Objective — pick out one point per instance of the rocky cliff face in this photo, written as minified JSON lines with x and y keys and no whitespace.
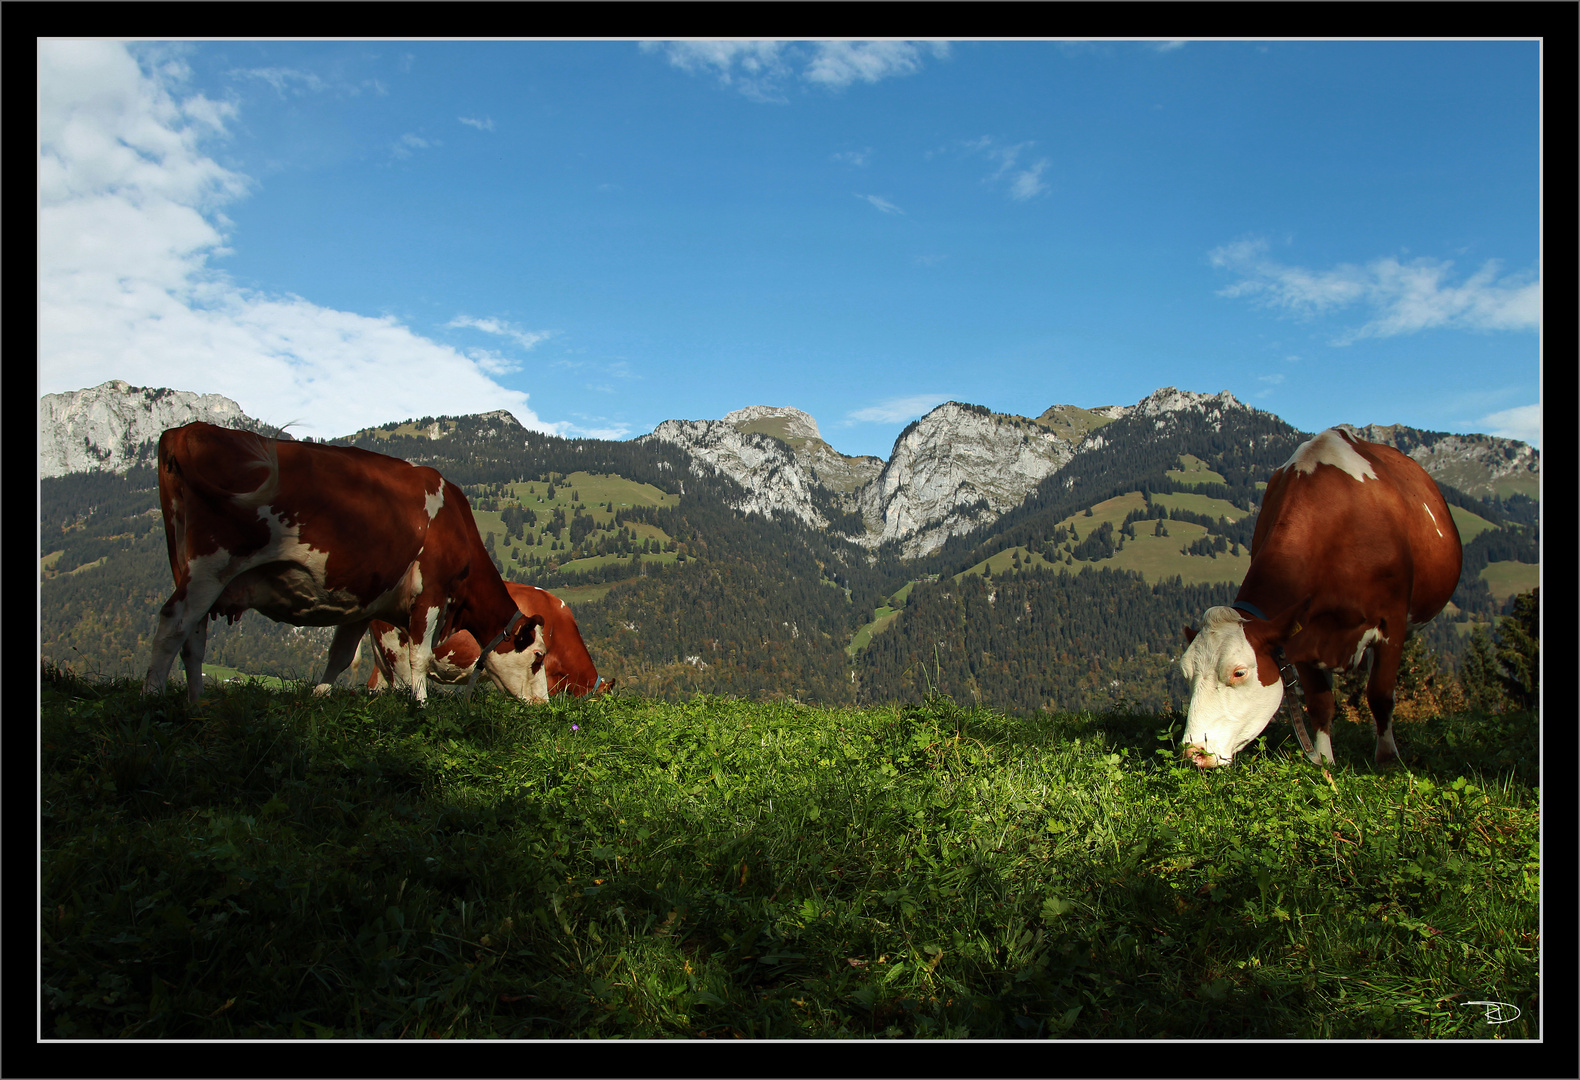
{"x":1479,"y":465}
{"x":956,"y":468}
{"x":776,"y":453}
{"x":114,"y":426}
{"x":762,"y":464}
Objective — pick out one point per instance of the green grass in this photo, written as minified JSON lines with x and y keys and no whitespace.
{"x":1469,"y":525}
{"x":1112,"y":511}
{"x":1507,"y":578}
{"x":1193,"y":470}
{"x":882,"y":618}
{"x":1199,"y":504}
{"x":1158,"y":557}
{"x":596,"y":493}
{"x":212,"y":672}
{"x":275,"y":865}
{"x":1154,"y":557}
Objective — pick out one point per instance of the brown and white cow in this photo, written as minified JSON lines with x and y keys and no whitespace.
{"x":316,"y":535}
{"x":1354,"y":547}
{"x":566,"y":663}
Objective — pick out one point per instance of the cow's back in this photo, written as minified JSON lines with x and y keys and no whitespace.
{"x":367,"y":514}
{"x":1351,"y":514}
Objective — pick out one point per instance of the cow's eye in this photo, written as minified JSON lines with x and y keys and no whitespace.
{"x":1239,"y":674}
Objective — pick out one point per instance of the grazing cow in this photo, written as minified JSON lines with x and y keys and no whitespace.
{"x":316,"y":535}
{"x":566,"y":663}
{"x":1353,"y":547}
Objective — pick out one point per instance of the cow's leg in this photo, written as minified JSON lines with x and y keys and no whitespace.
{"x":1318,"y":687}
{"x":341,"y":650}
{"x":193,"y":646}
{"x":387,"y":651}
{"x":1380,"y":694}
{"x":422,"y":635}
{"x":185,"y":612}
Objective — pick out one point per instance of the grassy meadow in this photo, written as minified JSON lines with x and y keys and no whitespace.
{"x":599,"y":496}
{"x":268,"y":864}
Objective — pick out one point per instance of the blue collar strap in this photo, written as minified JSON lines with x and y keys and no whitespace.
{"x":1250,"y":609}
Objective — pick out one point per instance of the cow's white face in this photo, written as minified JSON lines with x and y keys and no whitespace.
{"x":1229,"y":705}
{"x":520,"y":672}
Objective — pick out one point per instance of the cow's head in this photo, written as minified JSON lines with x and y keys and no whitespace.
{"x":1234,"y":692}
{"x":516,"y":664}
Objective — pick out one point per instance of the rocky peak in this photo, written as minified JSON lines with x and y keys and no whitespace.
{"x":1478,"y":465}
{"x":777,"y":454}
{"x":763,"y":464}
{"x":781,"y":422}
{"x":1169,"y":400}
{"x":115,"y":426}
{"x":956,"y":468}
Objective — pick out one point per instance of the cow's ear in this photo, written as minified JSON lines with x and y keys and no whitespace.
{"x":527,"y":632}
{"x":1190,"y":634}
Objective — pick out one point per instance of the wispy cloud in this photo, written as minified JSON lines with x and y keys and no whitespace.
{"x":1168,"y":46}
{"x":129,"y":222}
{"x":858,"y":158}
{"x":296,"y":82}
{"x":283,"y":79}
{"x":597,"y":427}
{"x":763,"y":69}
{"x":839,"y":63}
{"x":1027,"y":183}
{"x":1523,"y":423}
{"x":895,"y":410}
{"x":1022,"y":181}
{"x":881,"y":203}
{"x":525,"y":338}
{"x":403,"y":146}
{"x":485,"y":124}
{"x":492,"y":362}
{"x":1405,"y":298}
{"x":1271,"y":381}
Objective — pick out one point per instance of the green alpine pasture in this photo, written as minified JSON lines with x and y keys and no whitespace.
{"x":271,"y":864}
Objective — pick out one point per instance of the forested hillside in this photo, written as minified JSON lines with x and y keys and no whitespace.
{"x":1049,"y":607}
{"x":105,"y":574}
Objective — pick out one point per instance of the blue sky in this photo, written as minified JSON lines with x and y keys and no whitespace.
{"x":599,"y":236}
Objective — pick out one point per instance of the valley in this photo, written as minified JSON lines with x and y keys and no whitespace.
{"x":746,"y":557}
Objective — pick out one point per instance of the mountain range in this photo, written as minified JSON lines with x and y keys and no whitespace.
{"x":658,"y":540}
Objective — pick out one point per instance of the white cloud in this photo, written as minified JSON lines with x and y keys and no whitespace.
{"x":881,"y":203}
{"x":1024,"y":182}
{"x":403,"y":146}
{"x":1405,"y":297}
{"x":858,"y":158}
{"x":1027,"y":183}
{"x":755,"y":68}
{"x":896,"y":410}
{"x":297,"y":82}
{"x":485,"y":124}
{"x":1523,"y":423}
{"x":1168,"y":46}
{"x":840,"y":63}
{"x":128,"y":226}
{"x":283,"y":79}
{"x":499,"y":327}
{"x":761,"y":69}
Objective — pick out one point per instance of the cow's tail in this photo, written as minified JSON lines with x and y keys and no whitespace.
{"x":183,"y":453}
{"x":263,"y":452}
